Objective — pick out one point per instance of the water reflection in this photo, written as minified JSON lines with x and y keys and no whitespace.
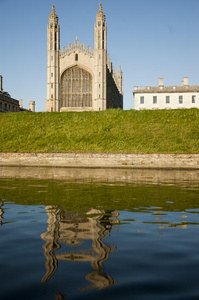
{"x":1,"y":213}
{"x":74,"y":230}
{"x":156,"y":257}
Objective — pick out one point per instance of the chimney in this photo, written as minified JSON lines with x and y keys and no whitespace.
{"x":1,"y":83}
{"x":185,"y":81}
{"x":161,"y":81}
{"x":32,"y":106}
{"x":20,"y":103}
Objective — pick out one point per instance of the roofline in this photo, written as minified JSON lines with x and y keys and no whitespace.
{"x":166,"y":89}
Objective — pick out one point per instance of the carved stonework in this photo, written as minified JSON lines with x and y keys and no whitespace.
{"x":100,"y":14}
{"x":76,"y":88}
{"x":53,"y":14}
{"x":76,"y":46}
{"x":80,"y":79}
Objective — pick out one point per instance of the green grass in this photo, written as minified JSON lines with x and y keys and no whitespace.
{"x":117,"y":131}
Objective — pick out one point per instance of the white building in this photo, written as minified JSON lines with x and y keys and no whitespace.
{"x":78,"y":78}
{"x":166,"y":97}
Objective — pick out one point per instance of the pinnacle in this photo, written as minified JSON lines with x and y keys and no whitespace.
{"x":53,"y":14}
{"x":100,"y":14}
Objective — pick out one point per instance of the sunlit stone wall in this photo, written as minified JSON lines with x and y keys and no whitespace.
{"x":105,"y":160}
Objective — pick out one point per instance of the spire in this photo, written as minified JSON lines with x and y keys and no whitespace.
{"x":53,"y":70}
{"x":53,"y":14}
{"x":120,"y":80}
{"x":119,"y":71}
{"x":76,"y":42}
{"x":100,"y":14}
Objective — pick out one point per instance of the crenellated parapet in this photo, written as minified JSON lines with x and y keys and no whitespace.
{"x":76,"y":46}
{"x":116,"y":78}
{"x":78,"y":78}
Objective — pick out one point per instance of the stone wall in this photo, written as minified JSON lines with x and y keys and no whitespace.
{"x":150,"y":176}
{"x":104,"y":160}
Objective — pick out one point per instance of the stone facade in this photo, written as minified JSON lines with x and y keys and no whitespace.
{"x":166,"y":97}
{"x":79,"y":79}
{"x":8,"y":104}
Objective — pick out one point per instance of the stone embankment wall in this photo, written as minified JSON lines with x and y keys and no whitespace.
{"x":150,"y":176}
{"x":96,"y":160}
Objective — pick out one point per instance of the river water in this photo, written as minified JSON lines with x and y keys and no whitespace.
{"x":99,"y":234}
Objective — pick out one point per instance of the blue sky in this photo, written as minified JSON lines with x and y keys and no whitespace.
{"x":149,"y":38}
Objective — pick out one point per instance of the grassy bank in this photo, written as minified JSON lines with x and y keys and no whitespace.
{"x":158,"y":131}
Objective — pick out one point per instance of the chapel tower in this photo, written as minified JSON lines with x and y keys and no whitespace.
{"x":100,"y":56}
{"x":79,"y":79}
{"x":53,"y":69}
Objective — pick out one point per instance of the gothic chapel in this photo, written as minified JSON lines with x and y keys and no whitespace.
{"x":79,"y":79}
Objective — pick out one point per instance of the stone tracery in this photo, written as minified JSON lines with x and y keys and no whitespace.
{"x":78,"y":78}
{"x":76,"y":88}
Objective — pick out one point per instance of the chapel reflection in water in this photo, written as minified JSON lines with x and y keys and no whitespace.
{"x":70,"y":229}
{"x":1,"y":213}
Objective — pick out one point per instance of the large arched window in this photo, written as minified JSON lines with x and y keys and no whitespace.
{"x":76,"y":88}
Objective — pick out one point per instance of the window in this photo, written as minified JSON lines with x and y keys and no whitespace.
{"x":51,"y":85}
{"x":51,"y":74}
{"x":55,"y":41}
{"x":51,"y":96}
{"x":76,"y":88}
{"x":180,"y":99}
{"x":142,"y":100}
{"x":76,"y":56}
{"x":194,"y":99}
{"x":1,"y":105}
{"x":51,"y":41}
{"x":99,"y":86}
{"x":154,"y":99}
{"x":167,"y":99}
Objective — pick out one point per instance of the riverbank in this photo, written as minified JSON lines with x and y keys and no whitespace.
{"x":101,"y":160}
{"x":110,"y":131}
